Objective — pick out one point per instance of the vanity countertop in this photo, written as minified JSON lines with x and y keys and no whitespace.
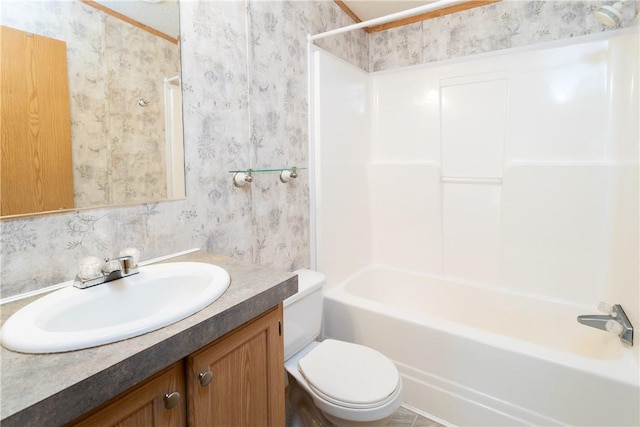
{"x":53,"y":389}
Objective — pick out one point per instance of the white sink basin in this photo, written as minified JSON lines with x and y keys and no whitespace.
{"x":73,"y":319}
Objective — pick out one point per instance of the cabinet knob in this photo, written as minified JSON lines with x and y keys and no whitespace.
{"x":205,"y":378}
{"x":171,"y":399}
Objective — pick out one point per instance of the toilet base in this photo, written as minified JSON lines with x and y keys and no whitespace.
{"x":302,"y":411}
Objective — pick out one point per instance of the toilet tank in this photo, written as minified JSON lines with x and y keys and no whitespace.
{"x":303,"y":312}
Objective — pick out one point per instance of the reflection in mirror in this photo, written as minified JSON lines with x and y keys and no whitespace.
{"x":83,"y":81}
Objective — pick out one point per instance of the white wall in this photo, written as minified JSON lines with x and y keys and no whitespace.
{"x":517,"y":170}
{"x":404,"y":171}
{"x":340,"y":135}
{"x":623,"y":256}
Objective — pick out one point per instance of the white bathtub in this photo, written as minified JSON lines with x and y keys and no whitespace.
{"x":477,"y":356}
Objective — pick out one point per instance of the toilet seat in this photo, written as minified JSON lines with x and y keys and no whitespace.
{"x":350,"y":375}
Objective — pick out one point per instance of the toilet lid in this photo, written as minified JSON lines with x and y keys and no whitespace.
{"x":349,"y":374}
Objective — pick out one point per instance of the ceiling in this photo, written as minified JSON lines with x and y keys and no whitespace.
{"x":364,"y":10}
{"x":161,"y":15}
{"x":369,"y":9}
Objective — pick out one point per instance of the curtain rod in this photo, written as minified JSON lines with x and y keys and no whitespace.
{"x":388,"y":18}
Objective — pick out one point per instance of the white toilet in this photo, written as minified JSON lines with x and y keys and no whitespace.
{"x":352,"y":385}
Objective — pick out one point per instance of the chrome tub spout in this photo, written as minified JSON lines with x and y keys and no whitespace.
{"x":598,"y":321}
{"x":615,"y":321}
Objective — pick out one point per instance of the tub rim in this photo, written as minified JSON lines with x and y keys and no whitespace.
{"x":624,"y":370}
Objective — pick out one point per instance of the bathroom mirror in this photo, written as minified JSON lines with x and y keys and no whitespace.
{"x":123,"y":134}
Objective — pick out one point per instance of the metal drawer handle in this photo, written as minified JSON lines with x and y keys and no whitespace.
{"x":205,"y":378}
{"x":171,"y":399}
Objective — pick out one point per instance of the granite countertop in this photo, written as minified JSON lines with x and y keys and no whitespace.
{"x":53,"y":389}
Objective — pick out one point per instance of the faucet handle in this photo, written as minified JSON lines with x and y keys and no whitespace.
{"x":90,"y":268}
{"x":605,"y":308}
{"x":133,"y":253}
{"x":614,"y":327}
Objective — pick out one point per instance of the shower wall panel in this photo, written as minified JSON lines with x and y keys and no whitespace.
{"x":405,"y":171}
{"x":406,"y":108}
{"x":558,"y":104}
{"x":471,"y":232}
{"x":340,"y":151}
{"x":515,"y":170}
{"x":473,"y":115}
{"x":556,"y":125}
{"x":406,"y":215}
{"x":556,"y":230}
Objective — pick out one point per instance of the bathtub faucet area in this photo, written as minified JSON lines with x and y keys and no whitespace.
{"x":615,"y":321}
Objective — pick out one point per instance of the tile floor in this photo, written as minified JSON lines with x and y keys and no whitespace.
{"x":406,"y":418}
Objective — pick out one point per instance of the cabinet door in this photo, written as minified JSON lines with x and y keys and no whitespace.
{"x":35,"y":166}
{"x":239,"y":379}
{"x":147,"y":404}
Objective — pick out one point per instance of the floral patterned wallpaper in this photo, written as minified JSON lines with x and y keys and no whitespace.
{"x":245,"y":105}
{"x":136,"y":64}
{"x":509,"y":23}
{"x":118,"y":146}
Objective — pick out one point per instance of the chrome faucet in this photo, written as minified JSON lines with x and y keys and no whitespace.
{"x":94,"y":272}
{"x":615,"y":321}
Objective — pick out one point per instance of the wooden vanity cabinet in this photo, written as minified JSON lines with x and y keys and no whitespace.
{"x":151,"y":403}
{"x":238,"y":380}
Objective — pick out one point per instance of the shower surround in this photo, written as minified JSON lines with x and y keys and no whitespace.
{"x":467,"y":210}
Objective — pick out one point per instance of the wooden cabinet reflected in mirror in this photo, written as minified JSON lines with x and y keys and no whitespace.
{"x":123,"y":102}
{"x":37,"y":174}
